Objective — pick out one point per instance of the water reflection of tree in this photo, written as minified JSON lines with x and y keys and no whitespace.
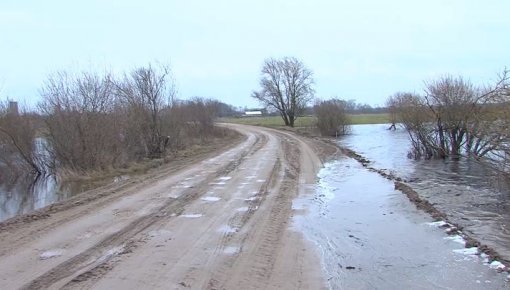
{"x":19,"y":150}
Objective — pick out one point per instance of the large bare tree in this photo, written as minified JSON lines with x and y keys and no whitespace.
{"x":287,"y":86}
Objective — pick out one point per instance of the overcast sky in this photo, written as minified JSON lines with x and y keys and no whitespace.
{"x":363,"y":50}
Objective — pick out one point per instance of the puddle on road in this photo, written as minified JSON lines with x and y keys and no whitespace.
{"x":371,"y":237}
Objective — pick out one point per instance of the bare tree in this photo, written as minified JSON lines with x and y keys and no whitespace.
{"x":286,"y":85}
{"x":18,"y":134}
{"x":81,"y":129}
{"x":456,"y":118}
{"x":146,"y":92}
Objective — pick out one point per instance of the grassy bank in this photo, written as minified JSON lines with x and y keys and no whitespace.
{"x":306,"y":121}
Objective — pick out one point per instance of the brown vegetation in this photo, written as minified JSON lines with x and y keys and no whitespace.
{"x":455,"y":118}
{"x":19,"y":150}
{"x":332,"y":119}
{"x":90,"y":122}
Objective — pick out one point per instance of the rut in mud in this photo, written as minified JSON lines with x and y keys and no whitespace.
{"x":220,"y":223}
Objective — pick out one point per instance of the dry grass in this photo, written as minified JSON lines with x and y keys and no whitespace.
{"x":306,"y":121}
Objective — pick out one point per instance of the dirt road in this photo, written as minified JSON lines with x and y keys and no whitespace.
{"x":221,"y":223}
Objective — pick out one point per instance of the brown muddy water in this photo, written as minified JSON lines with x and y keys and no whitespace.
{"x":371,"y":237}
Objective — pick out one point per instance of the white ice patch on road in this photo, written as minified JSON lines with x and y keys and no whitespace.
{"x":225,"y":178}
{"x":251,"y":198}
{"x":231,"y":250}
{"x":457,"y":239}
{"x":227,"y":229}
{"x":111,"y":252}
{"x":210,"y":198}
{"x":437,"y":224}
{"x":242,"y":209}
{"x":467,"y":251}
{"x":261,"y":180}
{"x":497,"y":265}
{"x":51,"y":254}
{"x":120,"y":178}
{"x":192,"y":215}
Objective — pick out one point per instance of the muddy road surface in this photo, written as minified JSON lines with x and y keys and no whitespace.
{"x":221,"y":223}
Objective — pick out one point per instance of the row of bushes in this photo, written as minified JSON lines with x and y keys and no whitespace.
{"x":93,"y":121}
{"x":455,"y":118}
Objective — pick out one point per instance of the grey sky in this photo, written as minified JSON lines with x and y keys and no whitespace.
{"x":363,"y":50}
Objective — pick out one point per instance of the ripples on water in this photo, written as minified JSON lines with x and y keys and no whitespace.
{"x":471,"y":194}
{"x":371,"y":237}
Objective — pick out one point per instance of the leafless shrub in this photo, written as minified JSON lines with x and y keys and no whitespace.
{"x":81,"y":128}
{"x":332,"y":119}
{"x":20,"y":150}
{"x":191,"y":121}
{"x":145,"y":94}
{"x":455,"y":118}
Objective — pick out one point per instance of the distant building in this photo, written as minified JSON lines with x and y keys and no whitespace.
{"x":254,"y":112}
{"x":13,"y":108}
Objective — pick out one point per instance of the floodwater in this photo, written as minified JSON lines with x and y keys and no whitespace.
{"x":472,"y":195}
{"x":27,"y":194}
{"x":371,"y":237}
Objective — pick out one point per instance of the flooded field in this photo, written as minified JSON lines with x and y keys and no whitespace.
{"x":472,"y":195}
{"x":370,"y":236}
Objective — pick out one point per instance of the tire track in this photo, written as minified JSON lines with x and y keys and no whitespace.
{"x":95,"y":256}
{"x":264,"y":240}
